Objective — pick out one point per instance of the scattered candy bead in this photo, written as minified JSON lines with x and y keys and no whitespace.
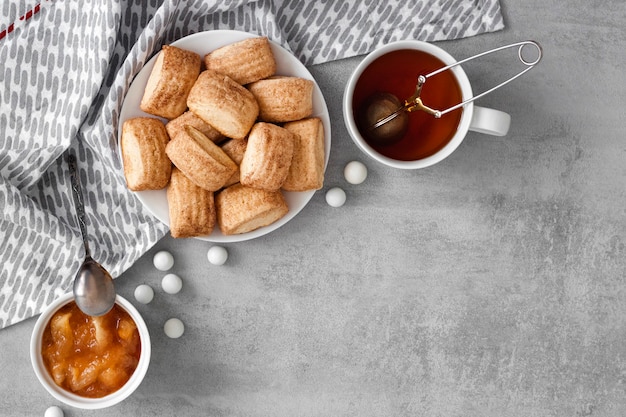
{"x":335,"y":197}
{"x":163,"y":261}
{"x":54,"y":411}
{"x":171,"y":283}
{"x":144,"y":293}
{"x":217,"y":255}
{"x":174,"y":328}
{"x":355,"y":172}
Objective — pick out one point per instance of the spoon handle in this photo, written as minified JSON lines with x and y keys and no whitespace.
{"x":79,"y":206}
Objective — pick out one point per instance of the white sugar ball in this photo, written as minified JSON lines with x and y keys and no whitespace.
{"x":335,"y":197}
{"x":171,"y":283}
{"x":355,"y":172}
{"x":174,"y":328}
{"x":163,"y":261}
{"x":217,"y":255}
{"x":144,"y":293}
{"x":53,"y":411}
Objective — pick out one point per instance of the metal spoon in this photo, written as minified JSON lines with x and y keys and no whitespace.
{"x":94,"y":291}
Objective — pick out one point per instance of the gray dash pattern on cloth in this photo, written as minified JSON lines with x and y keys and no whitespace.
{"x":64,"y":73}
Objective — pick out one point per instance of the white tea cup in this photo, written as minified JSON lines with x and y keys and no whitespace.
{"x":473,"y":117}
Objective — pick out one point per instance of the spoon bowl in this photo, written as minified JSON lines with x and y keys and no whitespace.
{"x":94,"y":291}
{"x":93,"y":288}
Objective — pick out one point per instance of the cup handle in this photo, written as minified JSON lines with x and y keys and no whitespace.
{"x":490,"y":121}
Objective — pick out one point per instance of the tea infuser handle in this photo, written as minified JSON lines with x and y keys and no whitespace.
{"x":528,"y":63}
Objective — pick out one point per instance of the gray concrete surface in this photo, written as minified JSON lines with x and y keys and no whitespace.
{"x":491,"y":285}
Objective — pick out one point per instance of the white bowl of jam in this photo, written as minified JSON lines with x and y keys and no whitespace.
{"x":90,"y":362}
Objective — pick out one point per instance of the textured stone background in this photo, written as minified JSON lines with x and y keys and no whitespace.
{"x":490,"y":285}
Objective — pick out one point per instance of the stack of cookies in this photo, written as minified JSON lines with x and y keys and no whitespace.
{"x":229,"y":137}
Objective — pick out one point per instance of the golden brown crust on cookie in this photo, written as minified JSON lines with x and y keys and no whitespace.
{"x":242,"y":209}
{"x":245,"y":61}
{"x":177,"y":125}
{"x":283,"y":99}
{"x":224,"y":104}
{"x":146,"y":165}
{"x":307,"y":166}
{"x":175,"y":71}
{"x":235,"y":149}
{"x":191,"y":208}
{"x":267,"y":159}
{"x":201,"y":160}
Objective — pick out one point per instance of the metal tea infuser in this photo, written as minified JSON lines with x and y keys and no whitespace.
{"x":383,"y":131}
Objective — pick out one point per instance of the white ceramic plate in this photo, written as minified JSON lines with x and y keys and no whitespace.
{"x":202,"y":43}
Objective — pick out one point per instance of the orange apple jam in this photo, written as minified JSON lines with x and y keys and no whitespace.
{"x":91,"y":356}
